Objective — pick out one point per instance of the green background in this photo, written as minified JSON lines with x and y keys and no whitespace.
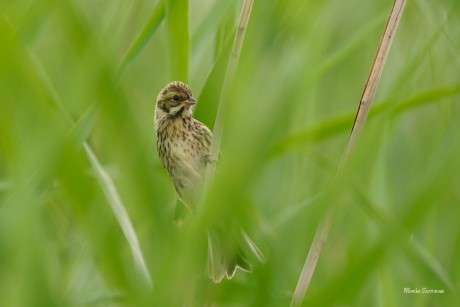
{"x":89,"y":71}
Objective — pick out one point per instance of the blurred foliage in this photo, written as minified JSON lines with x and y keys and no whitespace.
{"x":79,"y":71}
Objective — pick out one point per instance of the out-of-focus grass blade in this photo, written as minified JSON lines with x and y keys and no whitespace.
{"x":431,"y":96}
{"x":213,"y":87}
{"x":351,"y":45}
{"x":214,"y":81}
{"x":293,"y":211}
{"x":141,"y":40}
{"x":119,"y":210}
{"x":403,"y":238}
{"x":356,"y":274}
{"x":323,"y":130}
{"x":105,"y":180}
{"x":338,"y":125}
{"x":209,"y":24}
{"x":204,"y":50}
{"x":177,"y":17}
{"x":427,"y":260}
{"x":387,"y":296}
{"x":84,"y":125}
{"x":225,"y":32}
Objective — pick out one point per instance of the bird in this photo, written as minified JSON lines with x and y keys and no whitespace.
{"x":183,"y":145}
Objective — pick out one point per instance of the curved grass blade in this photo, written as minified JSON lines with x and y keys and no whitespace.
{"x":141,"y":40}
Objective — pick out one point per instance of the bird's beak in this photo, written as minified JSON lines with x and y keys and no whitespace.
{"x":191,"y":101}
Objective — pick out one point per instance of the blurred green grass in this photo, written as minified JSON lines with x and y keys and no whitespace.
{"x":89,"y":71}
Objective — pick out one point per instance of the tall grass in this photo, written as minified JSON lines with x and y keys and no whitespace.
{"x":288,"y":112}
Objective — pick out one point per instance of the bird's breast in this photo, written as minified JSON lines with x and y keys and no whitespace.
{"x":180,"y":143}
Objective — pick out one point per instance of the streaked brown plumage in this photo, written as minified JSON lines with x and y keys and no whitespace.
{"x":183,"y":147}
{"x":182,"y":141}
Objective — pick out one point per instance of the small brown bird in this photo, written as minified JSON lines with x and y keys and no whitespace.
{"x":183,"y":145}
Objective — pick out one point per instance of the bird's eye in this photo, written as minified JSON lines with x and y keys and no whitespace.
{"x":176,"y":98}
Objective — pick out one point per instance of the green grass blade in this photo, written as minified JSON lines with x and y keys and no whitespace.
{"x":177,"y":17}
{"x":339,"y":125}
{"x":228,"y":79}
{"x":119,"y":211}
{"x":144,"y":36}
{"x":106,"y":183}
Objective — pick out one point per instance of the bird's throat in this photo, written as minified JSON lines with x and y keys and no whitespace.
{"x":182,"y":112}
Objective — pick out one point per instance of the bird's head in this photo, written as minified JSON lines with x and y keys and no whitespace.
{"x":175,"y":99}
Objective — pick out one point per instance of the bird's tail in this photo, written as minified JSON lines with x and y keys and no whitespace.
{"x":229,"y":251}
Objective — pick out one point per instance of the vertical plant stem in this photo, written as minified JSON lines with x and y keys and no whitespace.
{"x":361,"y":115}
{"x":312,"y":259}
{"x":228,"y":79}
{"x":374,"y":76}
{"x":177,"y":18}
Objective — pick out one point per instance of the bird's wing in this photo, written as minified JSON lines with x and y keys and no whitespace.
{"x":188,"y":183}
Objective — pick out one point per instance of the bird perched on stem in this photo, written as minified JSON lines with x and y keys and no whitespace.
{"x":183,"y":145}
